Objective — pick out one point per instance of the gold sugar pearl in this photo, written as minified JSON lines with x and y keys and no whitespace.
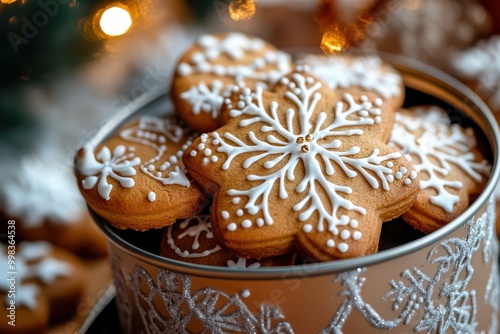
{"x":305,"y":148}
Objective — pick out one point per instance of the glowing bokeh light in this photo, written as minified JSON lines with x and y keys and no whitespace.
{"x":333,"y":41}
{"x":115,"y":21}
{"x":7,"y":1}
{"x":241,"y":10}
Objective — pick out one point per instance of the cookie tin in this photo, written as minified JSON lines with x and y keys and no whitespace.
{"x":444,"y":282}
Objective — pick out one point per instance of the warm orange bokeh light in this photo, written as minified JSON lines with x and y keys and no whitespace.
{"x":115,"y":21}
{"x":242,"y":10}
{"x":7,"y":1}
{"x":333,"y":41}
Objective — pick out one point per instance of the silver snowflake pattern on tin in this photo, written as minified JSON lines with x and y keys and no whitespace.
{"x":216,"y":311}
{"x":444,"y":297}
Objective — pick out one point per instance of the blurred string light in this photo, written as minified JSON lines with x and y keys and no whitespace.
{"x":7,"y":1}
{"x":115,"y":21}
{"x":337,"y":35}
{"x":111,"y":20}
{"x":241,"y":10}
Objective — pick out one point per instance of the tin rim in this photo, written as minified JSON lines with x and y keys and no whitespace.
{"x":416,"y":75}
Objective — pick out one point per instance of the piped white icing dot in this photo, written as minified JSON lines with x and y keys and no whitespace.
{"x":214,"y":158}
{"x":260,"y":222}
{"x":225,"y":214}
{"x":246,"y":223}
{"x":207,"y":152}
{"x":345,"y":234}
{"x":404,"y":170}
{"x":239,"y":212}
{"x":413,"y":175}
{"x":390,"y":164}
{"x":399,"y":175}
{"x":201,"y":146}
{"x":354,"y":223}
{"x":356,"y":235}
{"x":390,"y":178}
{"x":192,"y":153}
{"x":151,"y":168}
{"x":343,"y":247}
{"x":245,"y":293}
{"x":307,"y":228}
{"x":184,"y":69}
{"x":236,"y":200}
{"x":151,"y":196}
{"x":232,"y":227}
{"x":330,"y":243}
{"x":407,"y":181}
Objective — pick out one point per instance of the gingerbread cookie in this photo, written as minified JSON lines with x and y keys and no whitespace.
{"x":136,"y":179}
{"x":46,"y":205}
{"x":478,"y":68}
{"x":206,"y":72}
{"x":451,"y":167}
{"x":357,"y":72}
{"x":302,"y":166}
{"x":192,"y":241}
{"x":41,"y":285}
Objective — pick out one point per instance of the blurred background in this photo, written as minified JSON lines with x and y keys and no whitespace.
{"x":68,"y":66}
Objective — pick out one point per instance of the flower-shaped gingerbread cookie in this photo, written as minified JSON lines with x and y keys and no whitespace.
{"x":302,"y":166}
{"x":352,"y":72}
{"x":206,"y":72}
{"x":136,"y":179}
{"x":450,"y":165}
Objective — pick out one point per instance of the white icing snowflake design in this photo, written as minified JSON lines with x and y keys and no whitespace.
{"x":154,"y":132}
{"x":33,"y":260}
{"x":440,"y":147}
{"x":205,"y":99}
{"x":367,"y":72}
{"x":53,"y":197}
{"x":195,"y":227}
{"x":302,"y":137}
{"x":201,"y":224}
{"x":482,"y":63}
{"x":119,"y":165}
{"x":208,"y":98}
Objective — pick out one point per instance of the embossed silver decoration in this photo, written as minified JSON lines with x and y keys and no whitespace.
{"x":446,"y":302}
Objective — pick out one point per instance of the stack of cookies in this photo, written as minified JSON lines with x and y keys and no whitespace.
{"x":268,"y":159}
{"x":49,"y":240}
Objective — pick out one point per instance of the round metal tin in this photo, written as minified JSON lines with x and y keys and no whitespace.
{"x":444,"y":282}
